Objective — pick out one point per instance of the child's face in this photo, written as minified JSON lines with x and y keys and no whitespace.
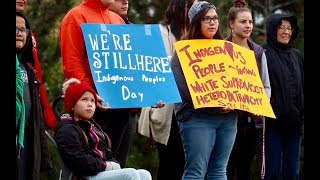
{"x":85,"y":106}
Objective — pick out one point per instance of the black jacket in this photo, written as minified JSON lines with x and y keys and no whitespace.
{"x":85,"y":155}
{"x":286,"y":73}
{"x":34,"y":126}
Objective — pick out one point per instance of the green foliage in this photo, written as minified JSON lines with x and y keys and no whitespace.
{"x":143,"y":156}
{"x":45,"y":17}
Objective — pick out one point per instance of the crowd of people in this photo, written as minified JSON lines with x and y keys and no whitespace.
{"x":214,"y":143}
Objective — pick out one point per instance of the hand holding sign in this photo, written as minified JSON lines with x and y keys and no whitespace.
{"x":126,"y":71}
{"x":220,"y":73}
{"x":100,"y":106}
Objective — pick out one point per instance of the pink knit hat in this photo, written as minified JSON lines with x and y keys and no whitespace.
{"x":74,"y":92}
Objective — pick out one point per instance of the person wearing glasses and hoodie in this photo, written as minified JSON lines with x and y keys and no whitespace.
{"x":32,"y":53}
{"x":286,"y":72}
{"x":33,"y":157}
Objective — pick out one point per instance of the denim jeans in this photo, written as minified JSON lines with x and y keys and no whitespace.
{"x":207,"y":139}
{"x":122,"y":174}
{"x":244,"y":149}
{"x":282,"y":156}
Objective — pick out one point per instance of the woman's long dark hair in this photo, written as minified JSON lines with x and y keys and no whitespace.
{"x":176,"y":16}
{"x":194,"y":31}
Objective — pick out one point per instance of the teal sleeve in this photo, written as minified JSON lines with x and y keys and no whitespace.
{"x":20,"y":107}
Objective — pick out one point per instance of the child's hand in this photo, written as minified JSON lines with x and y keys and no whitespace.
{"x":112,"y":166}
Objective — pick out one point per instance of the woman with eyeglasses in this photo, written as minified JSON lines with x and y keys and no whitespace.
{"x":207,"y":134}
{"x":249,"y":125}
{"x":33,"y":56}
{"x":164,"y":126}
{"x":286,"y":72}
{"x":33,"y":153}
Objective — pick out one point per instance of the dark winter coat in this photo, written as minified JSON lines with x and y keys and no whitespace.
{"x":30,"y":55}
{"x":85,"y":155}
{"x":286,"y":72}
{"x":34,"y":126}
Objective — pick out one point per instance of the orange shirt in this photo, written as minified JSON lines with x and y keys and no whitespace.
{"x":73,"y":51}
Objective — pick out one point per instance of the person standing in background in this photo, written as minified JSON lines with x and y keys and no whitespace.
{"x":162,"y":122}
{"x":286,"y":72}
{"x":121,"y":8}
{"x":34,"y":157}
{"x":207,"y":134}
{"x":249,"y":125}
{"x":76,"y":65}
{"x":49,"y":117}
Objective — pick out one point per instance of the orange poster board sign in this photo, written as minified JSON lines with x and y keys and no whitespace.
{"x":220,"y":73}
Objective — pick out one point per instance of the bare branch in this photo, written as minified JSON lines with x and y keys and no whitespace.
{"x":257,"y":4}
{"x":280,"y":6}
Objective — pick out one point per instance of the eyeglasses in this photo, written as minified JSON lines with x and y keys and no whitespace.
{"x":284,"y":28}
{"x":23,"y":31}
{"x":208,"y":19}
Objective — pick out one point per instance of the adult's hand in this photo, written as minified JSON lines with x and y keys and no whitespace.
{"x":226,"y":109}
{"x":99,"y":104}
{"x":159,"y":104}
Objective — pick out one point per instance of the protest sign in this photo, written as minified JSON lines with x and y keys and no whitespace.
{"x":129,"y":65}
{"x":220,"y":73}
